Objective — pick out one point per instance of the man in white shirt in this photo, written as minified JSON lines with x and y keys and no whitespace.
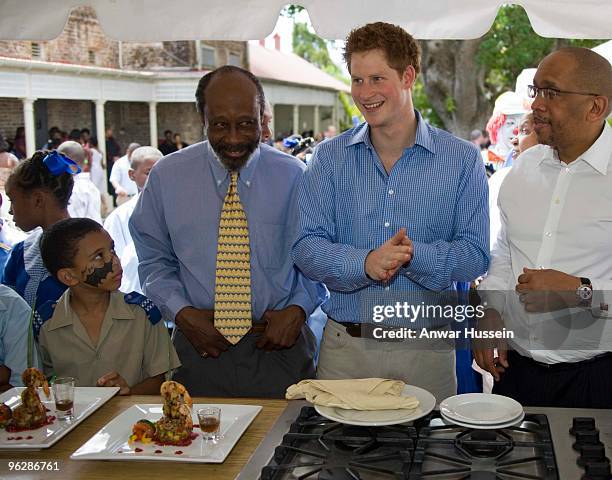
{"x":124,"y":186}
{"x":551,"y":271}
{"x":85,"y":199}
{"x":116,"y":224}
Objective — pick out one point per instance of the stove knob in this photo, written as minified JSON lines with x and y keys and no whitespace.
{"x":582,"y":424}
{"x":591,"y":453}
{"x":597,"y":471}
{"x":586,"y":438}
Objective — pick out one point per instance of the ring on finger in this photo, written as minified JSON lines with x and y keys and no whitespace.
{"x":204,"y":354}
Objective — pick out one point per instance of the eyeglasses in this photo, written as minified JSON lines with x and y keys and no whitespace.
{"x":548,"y":93}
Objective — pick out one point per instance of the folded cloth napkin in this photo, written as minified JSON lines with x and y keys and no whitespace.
{"x":356,"y":394}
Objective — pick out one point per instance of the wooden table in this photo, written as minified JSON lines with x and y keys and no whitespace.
{"x":132,"y":470}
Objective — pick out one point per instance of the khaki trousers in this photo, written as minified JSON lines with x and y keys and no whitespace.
{"x":429,"y":364}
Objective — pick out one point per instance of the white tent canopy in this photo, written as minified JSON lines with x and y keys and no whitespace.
{"x":158,"y":20}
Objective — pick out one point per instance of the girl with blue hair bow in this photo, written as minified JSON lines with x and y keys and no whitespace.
{"x":39,"y":188}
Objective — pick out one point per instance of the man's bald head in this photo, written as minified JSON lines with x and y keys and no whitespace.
{"x":74,"y":151}
{"x":205,"y":81}
{"x":590,"y":72}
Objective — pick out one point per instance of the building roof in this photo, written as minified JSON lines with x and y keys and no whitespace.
{"x":274,"y":65}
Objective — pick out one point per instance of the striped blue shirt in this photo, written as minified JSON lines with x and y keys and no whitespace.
{"x":349,"y":206}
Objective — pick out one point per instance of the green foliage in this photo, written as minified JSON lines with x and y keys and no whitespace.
{"x":421,"y":103}
{"x":313,"y":48}
{"x":351,"y":110}
{"x":511,"y":45}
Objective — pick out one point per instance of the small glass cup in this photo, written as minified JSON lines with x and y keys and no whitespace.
{"x":210,"y":422}
{"x":63,"y":392}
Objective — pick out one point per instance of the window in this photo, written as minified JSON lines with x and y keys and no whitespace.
{"x":207,"y":59}
{"x":235,"y":60}
{"x":92,"y":56}
{"x":36,"y":50}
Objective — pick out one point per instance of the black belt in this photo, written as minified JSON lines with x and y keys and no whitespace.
{"x":562,"y":365}
{"x":361,"y":330}
{"x":365,"y":330}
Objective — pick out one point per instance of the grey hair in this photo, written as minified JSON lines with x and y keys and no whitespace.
{"x":144,"y":153}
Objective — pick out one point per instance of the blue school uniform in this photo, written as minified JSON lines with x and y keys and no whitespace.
{"x":26,"y":274}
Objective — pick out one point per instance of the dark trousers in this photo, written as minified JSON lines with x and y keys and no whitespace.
{"x":245,"y":370}
{"x":586,"y":384}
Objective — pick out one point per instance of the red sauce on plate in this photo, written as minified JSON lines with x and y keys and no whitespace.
{"x":14,"y":429}
{"x":158,"y":451}
{"x":182,"y":443}
{"x":138,"y":450}
{"x":178,"y":452}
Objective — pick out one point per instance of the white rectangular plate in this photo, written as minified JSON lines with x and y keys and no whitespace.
{"x":111,"y":443}
{"x":86,"y":401}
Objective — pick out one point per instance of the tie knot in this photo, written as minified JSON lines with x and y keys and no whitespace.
{"x":234,"y":178}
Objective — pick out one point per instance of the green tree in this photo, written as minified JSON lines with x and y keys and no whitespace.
{"x":315,"y":50}
{"x":462,"y":78}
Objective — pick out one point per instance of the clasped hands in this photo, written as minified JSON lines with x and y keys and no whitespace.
{"x":283,"y":327}
{"x":384,"y":262}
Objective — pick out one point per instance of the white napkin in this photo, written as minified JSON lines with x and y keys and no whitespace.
{"x":355,"y":394}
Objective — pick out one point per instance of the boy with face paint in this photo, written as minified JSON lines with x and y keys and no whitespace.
{"x":119,"y":340}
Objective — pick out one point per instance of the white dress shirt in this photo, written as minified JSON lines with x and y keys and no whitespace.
{"x":558,"y":216}
{"x":119,"y":174}
{"x":495,"y":183}
{"x":116,"y":224}
{"x":85,"y":199}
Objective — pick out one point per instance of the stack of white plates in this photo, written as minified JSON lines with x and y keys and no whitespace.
{"x":482,"y":410}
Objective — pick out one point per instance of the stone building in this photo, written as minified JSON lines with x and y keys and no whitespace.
{"x":83,"y":79}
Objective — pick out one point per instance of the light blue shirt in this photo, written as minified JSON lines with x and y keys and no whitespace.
{"x":14,"y":321}
{"x":349,"y":206}
{"x":175,"y":228}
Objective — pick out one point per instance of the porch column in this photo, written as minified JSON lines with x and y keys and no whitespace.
{"x":101,"y":131}
{"x":272,"y":129}
{"x":317,"y":126}
{"x":296,"y":119}
{"x":153,"y":123}
{"x":29,"y":126}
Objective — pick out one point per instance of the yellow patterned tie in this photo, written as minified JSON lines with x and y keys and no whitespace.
{"x":233,"y":271}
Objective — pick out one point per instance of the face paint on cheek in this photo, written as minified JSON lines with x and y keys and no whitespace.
{"x":97,"y":276}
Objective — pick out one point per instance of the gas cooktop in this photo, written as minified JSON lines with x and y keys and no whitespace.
{"x":316,"y":448}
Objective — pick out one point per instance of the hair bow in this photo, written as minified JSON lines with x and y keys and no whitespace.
{"x":58,"y":163}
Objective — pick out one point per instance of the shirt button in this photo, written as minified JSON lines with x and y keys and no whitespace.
{"x":548,"y":234}
{"x":387,"y":224}
{"x":248,"y":182}
{"x":218,"y":182}
{"x":567,"y":169}
{"x":386,"y":288}
{"x":390,"y":191}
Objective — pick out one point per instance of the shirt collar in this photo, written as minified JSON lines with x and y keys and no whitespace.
{"x":597,"y":156}
{"x":64,"y":315}
{"x":221,"y":173}
{"x":423,"y":137}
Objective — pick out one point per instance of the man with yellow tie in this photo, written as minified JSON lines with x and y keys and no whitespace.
{"x":213,"y":229}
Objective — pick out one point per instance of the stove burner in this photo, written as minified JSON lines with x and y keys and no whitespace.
{"x":319,"y":449}
{"x":484,"y":443}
